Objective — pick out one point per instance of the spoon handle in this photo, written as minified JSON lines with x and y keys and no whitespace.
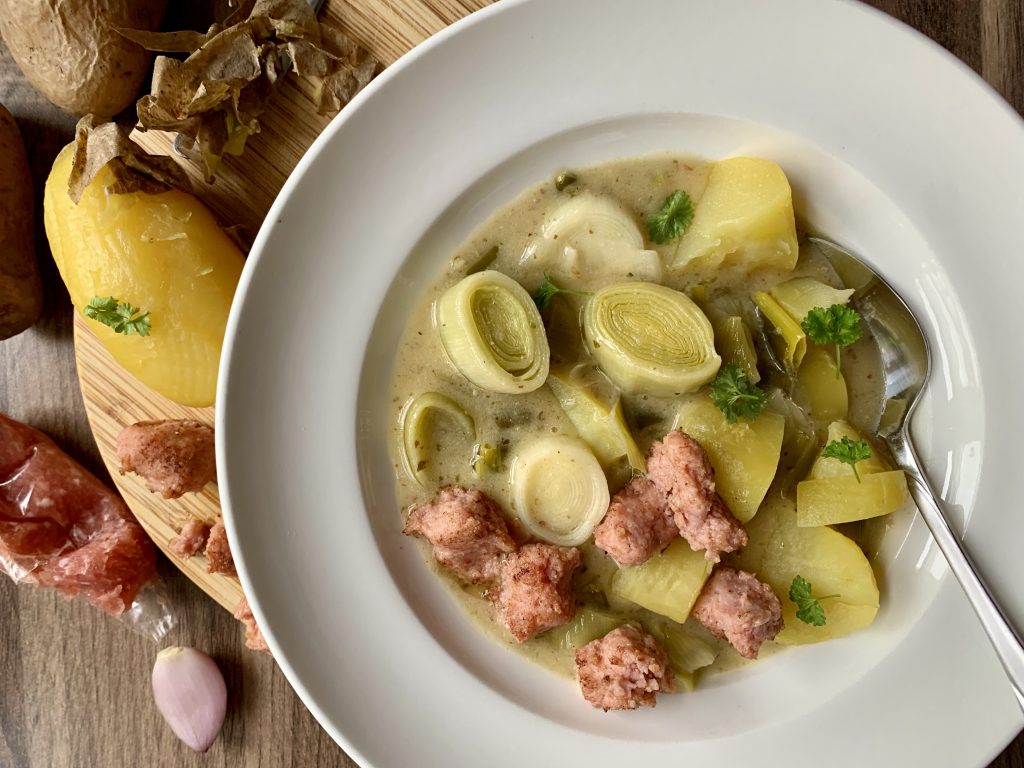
{"x":1004,"y":639}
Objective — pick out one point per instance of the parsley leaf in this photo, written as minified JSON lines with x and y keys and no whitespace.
{"x":672,"y":219}
{"x":837,"y":325}
{"x":849,"y":452}
{"x":808,"y":607}
{"x":735,"y":395}
{"x":121,"y":316}
{"x":548,"y":290}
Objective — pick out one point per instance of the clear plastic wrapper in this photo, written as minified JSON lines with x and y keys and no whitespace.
{"x":61,"y":527}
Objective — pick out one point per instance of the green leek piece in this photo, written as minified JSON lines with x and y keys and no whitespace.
{"x":745,"y":218}
{"x":493,"y":333}
{"x":559,"y":491}
{"x":835,"y":500}
{"x":485,"y":457}
{"x":736,"y":345}
{"x":793,"y":337}
{"x":588,"y":624}
{"x":779,"y":551}
{"x":745,"y":454}
{"x":687,"y":652}
{"x":416,"y":425}
{"x":823,"y":385}
{"x":600,"y":423}
{"x":668,"y":584}
{"x":650,"y":339}
{"x":802,"y":294}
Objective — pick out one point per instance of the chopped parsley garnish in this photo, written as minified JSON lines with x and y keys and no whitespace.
{"x":672,"y":219}
{"x":119,"y":315}
{"x":837,"y":325}
{"x":849,"y":452}
{"x":735,"y":395}
{"x":808,"y":607}
{"x":548,"y":290}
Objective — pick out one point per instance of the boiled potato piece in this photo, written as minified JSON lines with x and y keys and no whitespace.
{"x":828,"y":467}
{"x":779,"y":551}
{"x":71,"y":52}
{"x":163,"y":253}
{"x":745,"y":455}
{"x":668,"y":583}
{"x":21,"y":295}
{"x":835,"y":500}
{"x":823,"y":386}
{"x":745,"y":217}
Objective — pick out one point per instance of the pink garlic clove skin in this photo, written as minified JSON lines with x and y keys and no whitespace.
{"x":191,"y":695}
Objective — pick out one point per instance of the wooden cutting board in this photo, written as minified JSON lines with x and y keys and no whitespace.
{"x":241,"y":195}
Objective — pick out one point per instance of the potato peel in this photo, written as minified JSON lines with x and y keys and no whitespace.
{"x":99,"y":144}
{"x":217,"y":94}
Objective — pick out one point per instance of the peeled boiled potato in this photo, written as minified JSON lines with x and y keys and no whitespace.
{"x":779,"y":551}
{"x":163,"y":253}
{"x":668,"y":583}
{"x":745,"y":217}
{"x":745,"y":454}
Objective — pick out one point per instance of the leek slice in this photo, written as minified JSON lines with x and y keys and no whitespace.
{"x":559,"y":490}
{"x":736,"y":345}
{"x":793,"y":337}
{"x":493,"y":333}
{"x":802,"y":294}
{"x":687,"y":652}
{"x":589,"y":241}
{"x":588,"y":624}
{"x":597,"y":418}
{"x":415,"y":424}
{"x":650,"y":339}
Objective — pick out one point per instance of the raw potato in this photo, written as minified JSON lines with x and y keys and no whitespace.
{"x":163,"y":253}
{"x":71,"y":53}
{"x":779,"y":551}
{"x":745,"y":217}
{"x":745,"y":454}
{"x":21,"y":296}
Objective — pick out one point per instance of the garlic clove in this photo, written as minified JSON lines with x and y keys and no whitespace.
{"x":190,"y":693}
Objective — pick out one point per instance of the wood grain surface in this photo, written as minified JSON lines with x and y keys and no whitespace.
{"x":74,"y":684}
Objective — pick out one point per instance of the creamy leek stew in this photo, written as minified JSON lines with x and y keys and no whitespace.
{"x":596,"y":313}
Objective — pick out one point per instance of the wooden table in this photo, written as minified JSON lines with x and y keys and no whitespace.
{"x":74,"y":684}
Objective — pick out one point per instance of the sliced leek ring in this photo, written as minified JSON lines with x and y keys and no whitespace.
{"x":493,"y":334}
{"x":802,"y":294}
{"x":650,"y":339}
{"x":415,"y":423}
{"x":589,"y":241}
{"x":559,"y":491}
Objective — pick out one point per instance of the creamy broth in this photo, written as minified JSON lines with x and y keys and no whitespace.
{"x":509,"y":421}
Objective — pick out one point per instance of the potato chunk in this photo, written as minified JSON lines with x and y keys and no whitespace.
{"x":779,"y":551}
{"x":834,"y":500}
{"x":745,"y":217}
{"x":668,"y":583}
{"x":745,"y":455}
{"x":163,"y":253}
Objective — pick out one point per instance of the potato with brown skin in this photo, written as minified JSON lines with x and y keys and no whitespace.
{"x":21,"y":295}
{"x":72,"y":54}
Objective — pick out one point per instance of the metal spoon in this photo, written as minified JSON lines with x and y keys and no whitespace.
{"x":906,"y":365}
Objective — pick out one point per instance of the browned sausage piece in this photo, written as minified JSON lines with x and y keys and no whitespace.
{"x":623,"y":670}
{"x":638,"y":524}
{"x":191,"y":540}
{"x":535,"y":589}
{"x":217,"y":551}
{"x":680,"y":469}
{"x":735,"y":606}
{"x":254,"y":639}
{"x":467,"y":529}
{"x":174,"y":457}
